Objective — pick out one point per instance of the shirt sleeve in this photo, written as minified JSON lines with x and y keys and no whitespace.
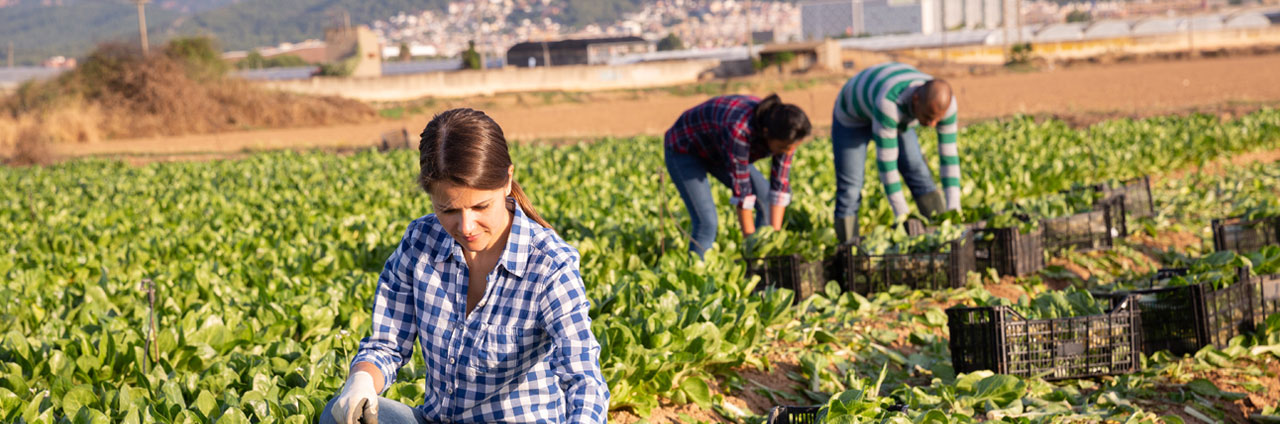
{"x":739,"y":139}
{"x":390,"y":345}
{"x":575,"y":353}
{"x":949,"y":155}
{"x":780,"y":178}
{"x":885,"y":132}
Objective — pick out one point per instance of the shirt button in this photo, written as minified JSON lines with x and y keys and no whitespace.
{"x":451,"y":360}
{"x":449,"y":390}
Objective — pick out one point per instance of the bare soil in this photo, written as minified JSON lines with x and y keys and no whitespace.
{"x":1227,"y":86}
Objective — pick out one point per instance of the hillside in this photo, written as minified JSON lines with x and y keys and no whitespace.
{"x":75,"y":27}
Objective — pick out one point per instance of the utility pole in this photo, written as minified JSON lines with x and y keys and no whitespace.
{"x":142,"y":25}
{"x":943,"y":20}
{"x":1018,"y":16}
{"x":1008,"y":25}
{"x":746,"y":17}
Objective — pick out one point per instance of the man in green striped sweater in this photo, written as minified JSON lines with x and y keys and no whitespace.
{"x":884,"y":103}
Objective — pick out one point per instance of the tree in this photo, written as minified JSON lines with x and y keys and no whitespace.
{"x":252,"y":61}
{"x":670,"y":42}
{"x":471,"y":57}
{"x":405,"y":54}
{"x":202,"y":56}
{"x":1078,"y":16}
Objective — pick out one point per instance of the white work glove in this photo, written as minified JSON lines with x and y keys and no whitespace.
{"x":358,"y":399}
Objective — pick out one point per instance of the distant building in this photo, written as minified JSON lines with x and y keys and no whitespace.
{"x":59,"y":62}
{"x":595,"y":51}
{"x":356,"y":44}
{"x":857,"y":18}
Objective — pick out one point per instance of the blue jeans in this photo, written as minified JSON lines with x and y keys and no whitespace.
{"x":389,"y":412}
{"x":849,"y":145}
{"x":689,"y":173}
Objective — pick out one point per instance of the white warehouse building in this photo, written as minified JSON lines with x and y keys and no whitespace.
{"x":855,"y":18}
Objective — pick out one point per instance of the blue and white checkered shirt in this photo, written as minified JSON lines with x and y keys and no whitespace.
{"x":525,"y":354}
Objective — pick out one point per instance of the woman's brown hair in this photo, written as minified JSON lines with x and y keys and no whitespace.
{"x":467,"y":148}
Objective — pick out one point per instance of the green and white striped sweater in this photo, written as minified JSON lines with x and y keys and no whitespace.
{"x":880,"y":96}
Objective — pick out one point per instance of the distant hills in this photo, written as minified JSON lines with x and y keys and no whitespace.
{"x":39,"y":29}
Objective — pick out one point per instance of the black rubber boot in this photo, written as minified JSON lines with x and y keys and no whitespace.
{"x":847,"y":229}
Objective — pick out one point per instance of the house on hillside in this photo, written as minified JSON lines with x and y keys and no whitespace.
{"x":592,"y":51}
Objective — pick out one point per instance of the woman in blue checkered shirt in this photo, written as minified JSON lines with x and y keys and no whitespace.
{"x":489,"y":291}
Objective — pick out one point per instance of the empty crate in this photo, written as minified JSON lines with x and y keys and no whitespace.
{"x":1242,"y":235}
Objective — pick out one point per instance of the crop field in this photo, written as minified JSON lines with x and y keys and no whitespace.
{"x":237,"y":291}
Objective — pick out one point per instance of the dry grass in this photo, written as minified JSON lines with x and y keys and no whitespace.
{"x":117,"y":93}
{"x":31,"y":147}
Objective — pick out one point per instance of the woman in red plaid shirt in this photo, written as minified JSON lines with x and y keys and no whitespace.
{"x":722,"y":137}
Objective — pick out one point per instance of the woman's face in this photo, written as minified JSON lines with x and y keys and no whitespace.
{"x":476,"y":218}
{"x":782,"y":147}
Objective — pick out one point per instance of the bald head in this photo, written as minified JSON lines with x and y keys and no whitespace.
{"x":931,"y":101}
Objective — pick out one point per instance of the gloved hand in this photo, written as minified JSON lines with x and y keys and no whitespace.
{"x":358,"y":401}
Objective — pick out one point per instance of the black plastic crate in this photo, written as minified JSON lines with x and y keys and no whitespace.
{"x":999,"y":339}
{"x":1169,"y":318}
{"x":1245,"y":235}
{"x":794,"y":415}
{"x":867,"y":273}
{"x":1137,"y":192}
{"x":915,"y":227}
{"x":1268,"y":296}
{"x":1138,"y":202}
{"x":789,"y":271}
{"x":1184,"y":319}
{"x":1227,"y":312}
{"x":1093,"y":230}
{"x":1009,"y":251}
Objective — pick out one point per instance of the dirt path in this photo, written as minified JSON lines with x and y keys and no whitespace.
{"x":1079,"y":94}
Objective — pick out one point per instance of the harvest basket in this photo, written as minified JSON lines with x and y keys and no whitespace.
{"x":789,"y":271}
{"x":1242,"y":235}
{"x":999,"y":339}
{"x":1009,"y":251}
{"x":873,"y":273}
{"x":1184,"y":319}
{"x":1094,"y":230}
{"x":793,"y":415}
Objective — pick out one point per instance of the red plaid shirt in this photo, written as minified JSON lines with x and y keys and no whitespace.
{"x":719,"y":132}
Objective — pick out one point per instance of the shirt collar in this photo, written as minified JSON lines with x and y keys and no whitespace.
{"x":515,"y":257}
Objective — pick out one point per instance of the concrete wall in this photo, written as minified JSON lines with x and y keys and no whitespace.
{"x":1200,"y":40}
{"x":492,"y":81}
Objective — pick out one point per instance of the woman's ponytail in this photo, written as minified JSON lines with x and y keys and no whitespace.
{"x":523,"y":200}
{"x":777,"y":120}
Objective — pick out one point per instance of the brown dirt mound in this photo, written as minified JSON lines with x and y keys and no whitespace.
{"x":119,"y":93}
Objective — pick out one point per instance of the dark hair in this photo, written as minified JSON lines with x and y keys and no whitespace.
{"x":465,"y":147}
{"x":774,"y":119}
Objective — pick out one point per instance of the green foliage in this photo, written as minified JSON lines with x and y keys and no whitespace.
{"x":405,"y":53}
{"x":341,"y":68}
{"x":1052,"y":304}
{"x":200,"y":55}
{"x":670,"y":42}
{"x":1020,"y":54}
{"x":471,"y":58}
{"x":776,"y":59}
{"x":255,"y":60}
{"x":892,"y":240}
{"x":1079,"y":16}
